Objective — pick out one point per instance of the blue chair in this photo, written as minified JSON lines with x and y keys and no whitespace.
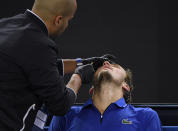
{"x":165,"y":128}
{"x":170,"y":128}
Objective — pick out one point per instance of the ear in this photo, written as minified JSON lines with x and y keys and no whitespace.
{"x":58,"y":20}
{"x":126,"y":87}
{"x":91,"y":90}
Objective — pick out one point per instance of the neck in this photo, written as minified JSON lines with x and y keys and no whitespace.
{"x":45,"y":20}
{"x":109,"y":93}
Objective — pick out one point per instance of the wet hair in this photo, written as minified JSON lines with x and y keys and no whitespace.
{"x":129,"y":81}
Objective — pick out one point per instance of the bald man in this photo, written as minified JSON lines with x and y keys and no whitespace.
{"x":55,"y":14}
{"x":30,"y":72}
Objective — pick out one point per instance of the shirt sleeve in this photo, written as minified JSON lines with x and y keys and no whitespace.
{"x":153,"y":122}
{"x":39,"y":61}
{"x":57,"y":124}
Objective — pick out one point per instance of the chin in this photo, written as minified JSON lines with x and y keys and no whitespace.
{"x":105,"y":75}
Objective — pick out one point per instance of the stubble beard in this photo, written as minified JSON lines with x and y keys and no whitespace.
{"x":101,"y":78}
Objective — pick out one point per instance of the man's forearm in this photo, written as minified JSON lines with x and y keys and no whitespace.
{"x":69,"y":65}
{"x":75,"y":83}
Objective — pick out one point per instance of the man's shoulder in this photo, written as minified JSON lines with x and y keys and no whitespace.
{"x":19,"y":27}
{"x":12,"y":26}
{"x":76,"y":108}
{"x":14,"y":17}
{"x":141,"y":109}
{"x":74,"y":111}
{"x":145,"y":112}
{"x":69,"y":116}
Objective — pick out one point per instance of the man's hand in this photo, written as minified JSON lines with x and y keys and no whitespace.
{"x":86,"y":73}
{"x":98,"y":61}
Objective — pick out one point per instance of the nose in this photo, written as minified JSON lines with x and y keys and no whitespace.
{"x":106,"y":63}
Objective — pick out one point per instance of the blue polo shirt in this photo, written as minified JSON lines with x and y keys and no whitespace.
{"x":119,"y":116}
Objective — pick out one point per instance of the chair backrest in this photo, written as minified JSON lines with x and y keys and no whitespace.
{"x":168,"y":113}
{"x":170,"y":128}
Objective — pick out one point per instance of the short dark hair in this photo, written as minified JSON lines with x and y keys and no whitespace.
{"x":129,"y":81}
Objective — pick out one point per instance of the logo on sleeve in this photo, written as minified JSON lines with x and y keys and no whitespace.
{"x":126,"y":121}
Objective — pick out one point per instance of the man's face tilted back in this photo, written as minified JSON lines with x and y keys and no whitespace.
{"x":109,"y":85}
{"x":112,"y":73}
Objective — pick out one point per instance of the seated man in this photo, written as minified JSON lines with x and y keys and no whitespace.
{"x":109,"y":108}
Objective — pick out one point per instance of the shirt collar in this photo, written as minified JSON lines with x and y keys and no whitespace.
{"x":120,"y":103}
{"x":88,"y":103}
{"x":37,"y":19}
